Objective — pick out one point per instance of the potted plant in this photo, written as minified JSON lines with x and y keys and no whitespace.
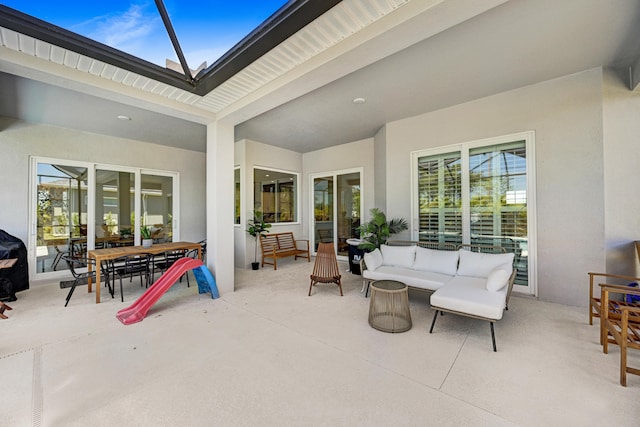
{"x":126,"y":232}
{"x":257,"y":226}
{"x":145,"y":233}
{"x":377,"y":231}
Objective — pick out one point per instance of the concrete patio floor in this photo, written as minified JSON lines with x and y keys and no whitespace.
{"x":269,"y":355}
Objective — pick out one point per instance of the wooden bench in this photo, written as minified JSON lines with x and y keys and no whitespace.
{"x":280,"y":245}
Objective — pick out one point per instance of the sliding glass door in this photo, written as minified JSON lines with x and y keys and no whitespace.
{"x":60,"y":213}
{"x":337,"y":206}
{"x":480,"y":193}
{"x":79,"y":206}
{"x":156,"y":201}
{"x":115,"y":209}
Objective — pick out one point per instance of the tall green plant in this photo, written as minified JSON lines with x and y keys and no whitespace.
{"x":377,"y":231}
{"x":257,"y":226}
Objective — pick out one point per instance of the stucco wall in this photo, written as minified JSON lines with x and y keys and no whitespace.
{"x":20,"y":140}
{"x":566,"y":115}
{"x":622,"y":175}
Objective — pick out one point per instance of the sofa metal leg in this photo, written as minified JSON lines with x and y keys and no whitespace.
{"x":493,"y":337}
{"x":435,"y":316}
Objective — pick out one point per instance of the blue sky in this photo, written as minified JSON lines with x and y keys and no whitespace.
{"x":205,"y":29}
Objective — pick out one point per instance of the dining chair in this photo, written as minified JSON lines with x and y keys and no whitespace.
{"x":76,"y":266}
{"x":128,"y":266}
{"x":164,"y":261}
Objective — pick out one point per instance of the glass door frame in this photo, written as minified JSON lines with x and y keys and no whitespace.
{"x":137,"y":199}
{"x":91,"y":208}
{"x":175,"y":198}
{"x":464,"y":149}
{"x":312,"y":219}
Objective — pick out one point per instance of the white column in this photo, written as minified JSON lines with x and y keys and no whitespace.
{"x":220,"y":202}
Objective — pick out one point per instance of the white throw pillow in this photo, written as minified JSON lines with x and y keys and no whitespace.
{"x":373,"y":259}
{"x":445,"y":262}
{"x":476,"y":264}
{"x":398,"y":256}
{"x":498,"y":279}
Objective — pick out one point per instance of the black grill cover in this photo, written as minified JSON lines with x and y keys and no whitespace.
{"x":13,"y":279}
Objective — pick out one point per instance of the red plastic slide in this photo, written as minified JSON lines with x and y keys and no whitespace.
{"x":138,"y":310}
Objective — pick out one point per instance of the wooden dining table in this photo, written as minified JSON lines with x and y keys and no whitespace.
{"x":100,"y":255}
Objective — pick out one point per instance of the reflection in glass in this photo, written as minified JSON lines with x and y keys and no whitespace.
{"x":275,"y":195}
{"x":114,"y":208}
{"x":498,"y":200}
{"x":61,"y":227}
{"x":343,"y":192}
{"x":236,"y":214}
{"x":348,"y":200}
{"x":323,"y":210}
{"x":157,"y":206}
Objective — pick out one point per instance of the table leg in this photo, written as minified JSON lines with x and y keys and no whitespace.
{"x":98,"y":270}
{"x":89,"y":269}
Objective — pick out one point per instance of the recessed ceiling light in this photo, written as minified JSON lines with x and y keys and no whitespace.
{"x":359,"y":101}
{"x":124,"y":117}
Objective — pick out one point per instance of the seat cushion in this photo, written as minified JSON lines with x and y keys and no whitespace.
{"x":418,"y":279}
{"x":373,"y":259}
{"x":469,"y":295}
{"x":498,"y":279}
{"x":476,"y":264}
{"x":398,"y":256}
{"x":445,"y":262}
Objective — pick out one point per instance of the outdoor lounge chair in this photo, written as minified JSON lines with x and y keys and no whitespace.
{"x":325,"y":268}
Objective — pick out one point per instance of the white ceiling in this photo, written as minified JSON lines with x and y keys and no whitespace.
{"x":518,"y":43}
{"x":514,"y":45}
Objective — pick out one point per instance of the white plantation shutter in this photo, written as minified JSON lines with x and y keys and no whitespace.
{"x":440,"y":193}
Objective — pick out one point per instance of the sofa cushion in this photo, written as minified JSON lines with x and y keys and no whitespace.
{"x":373,"y":259}
{"x":477,"y":264}
{"x":417,"y":279}
{"x":445,"y":262}
{"x":498,"y":279}
{"x":398,"y":256}
{"x":469,"y":295}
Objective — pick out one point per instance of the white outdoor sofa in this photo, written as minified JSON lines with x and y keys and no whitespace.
{"x":469,"y":280}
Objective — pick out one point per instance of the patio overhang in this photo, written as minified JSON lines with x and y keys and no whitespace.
{"x":285,"y":22}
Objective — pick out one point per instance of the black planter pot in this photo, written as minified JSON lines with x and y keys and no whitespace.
{"x":255,"y":265}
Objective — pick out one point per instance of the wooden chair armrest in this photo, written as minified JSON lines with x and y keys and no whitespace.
{"x":614,"y":276}
{"x":593,"y":275}
{"x":619,"y":289}
{"x":631,"y":309}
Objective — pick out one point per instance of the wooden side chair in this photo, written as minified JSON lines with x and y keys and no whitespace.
{"x":325,"y":268}
{"x":621,"y":326}
{"x":594,"y":296}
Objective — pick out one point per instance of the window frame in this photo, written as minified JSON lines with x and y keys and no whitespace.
{"x":296,"y":191}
